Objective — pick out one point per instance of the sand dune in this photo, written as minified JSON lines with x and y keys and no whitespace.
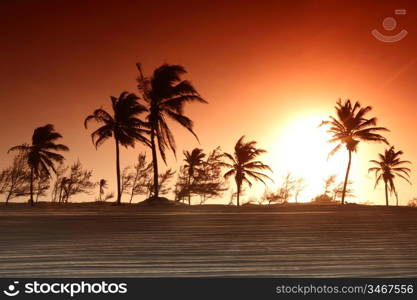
{"x":88,"y":240}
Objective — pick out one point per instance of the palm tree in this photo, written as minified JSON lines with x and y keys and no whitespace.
{"x":387,"y":168}
{"x":349,"y":128}
{"x":41,"y":155}
{"x":124,"y":125}
{"x":193,"y":161}
{"x":244,"y":166}
{"x":166,"y":95}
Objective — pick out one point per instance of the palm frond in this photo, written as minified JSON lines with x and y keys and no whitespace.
{"x":350,"y":126}
{"x":333,"y":152}
{"x":184,"y":121}
{"x":23,"y":147}
{"x":230,"y":157}
{"x":244,"y":179}
{"x":99,"y":115}
{"x":229,"y":173}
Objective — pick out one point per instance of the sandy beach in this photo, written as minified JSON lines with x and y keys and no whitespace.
{"x":91,"y":240}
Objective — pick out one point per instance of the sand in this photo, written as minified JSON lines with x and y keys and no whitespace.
{"x":92,"y":240}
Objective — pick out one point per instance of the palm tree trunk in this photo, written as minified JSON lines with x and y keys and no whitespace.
{"x":155,"y":166}
{"x":37,"y":192}
{"x":346,"y":177}
{"x":38,"y":188}
{"x":238,"y":193}
{"x":189,"y":189}
{"x":386,"y":195}
{"x":131,"y":197}
{"x":8,"y":197}
{"x":119,"y":196}
{"x":31,"y":186}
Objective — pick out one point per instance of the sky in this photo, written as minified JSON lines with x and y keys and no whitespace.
{"x":270,"y":70}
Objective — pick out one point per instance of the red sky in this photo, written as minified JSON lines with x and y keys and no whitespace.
{"x":262,"y":65}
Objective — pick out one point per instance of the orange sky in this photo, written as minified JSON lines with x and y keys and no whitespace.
{"x":262,"y":65}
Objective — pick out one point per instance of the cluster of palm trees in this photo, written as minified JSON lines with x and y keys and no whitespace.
{"x":387,"y":168}
{"x":162,"y":96}
{"x":143,"y":119}
{"x":41,"y":154}
{"x":243,"y":164}
{"x":349,"y":127}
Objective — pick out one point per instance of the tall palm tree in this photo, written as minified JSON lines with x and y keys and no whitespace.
{"x":123,"y":125}
{"x":349,"y":128}
{"x":387,"y":168}
{"x":166,"y":94}
{"x":244,"y":166}
{"x":193,"y":161}
{"x":41,"y":154}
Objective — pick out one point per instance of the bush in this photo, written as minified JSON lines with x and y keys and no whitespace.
{"x":413,"y":202}
{"x":323,"y":199}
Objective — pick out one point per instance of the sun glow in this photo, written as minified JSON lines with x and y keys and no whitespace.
{"x":302,"y":148}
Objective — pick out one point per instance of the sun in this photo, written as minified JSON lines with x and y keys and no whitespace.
{"x":301,"y":148}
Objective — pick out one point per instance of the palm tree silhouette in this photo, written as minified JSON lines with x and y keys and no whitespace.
{"x":193,"y":161}
{"x":243,"y":164}
{"x":349,"y":128}
{"x":124,"y":125}
{"x":102,"y":185}
{"x":41,"y":155}
{"x":166,"y":94}
{"x":387,"y":168}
